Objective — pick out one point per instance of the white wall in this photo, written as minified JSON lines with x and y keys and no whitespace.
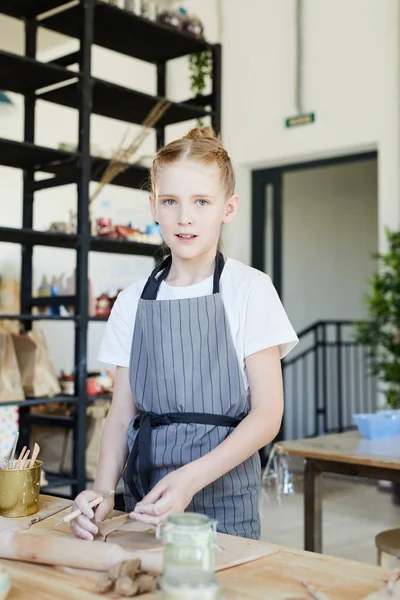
{"x":351,"y":81}
{"x":329,"y":236}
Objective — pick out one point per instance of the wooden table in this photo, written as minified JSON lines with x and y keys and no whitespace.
{"x":275,"y":577}
{"x":344,"y":454}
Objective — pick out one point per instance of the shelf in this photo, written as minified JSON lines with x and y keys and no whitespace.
{"x":62,"y":240}
{"x":55,"y":81}
{"x":53,"y":301}
{"x":135,"y":176}
{"x":24,"y":155}
{"x":56,"y":481}
{"x":99,"y":397}
{"x":26,"y":9}
{"x":49,"y":420}
{"x":103,"y":244}
{"x":41,"y":401}
{"x":29,"y":317}
{"x":24,"y":75}
{"x":37,"y":238}
{"x":125,"y":32}
{"x":124,"y":104}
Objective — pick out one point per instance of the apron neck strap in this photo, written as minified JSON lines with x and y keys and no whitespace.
{"x":160,"y":273}
{"x":219,"y":267}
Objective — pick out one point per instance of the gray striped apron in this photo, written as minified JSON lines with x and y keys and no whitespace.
{"x":189,"y":390}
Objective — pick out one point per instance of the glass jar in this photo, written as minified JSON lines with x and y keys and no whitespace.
{"x":170,"y":18}
{"x":189,"y":568}
{"x":193,"y":26}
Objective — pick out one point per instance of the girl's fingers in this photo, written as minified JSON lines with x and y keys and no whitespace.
{"x":101,"y":512}
{"x":163,"y":505}
{"x":154,"y":495}
{"x":145,"y":509}
{"x":148,"y":519}
{"x":81,"y":533}
{"x":86,"y":524}
{"x":152,"y":520}
{"x":83,"y":506}
{"x":159,"y":508}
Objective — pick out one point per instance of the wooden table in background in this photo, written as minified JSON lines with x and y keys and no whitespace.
{"x":344,"y":454}
{"x":275,"y":577}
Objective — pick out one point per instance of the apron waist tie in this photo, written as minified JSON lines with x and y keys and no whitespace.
{"x":145,"y":422}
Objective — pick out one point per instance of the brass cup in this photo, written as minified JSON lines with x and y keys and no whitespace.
{"x":19,"y":491}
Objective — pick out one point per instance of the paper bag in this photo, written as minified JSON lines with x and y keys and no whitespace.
{"x":9,"y":304}
{"x":10,"y":377}
{"x":56,"y":445}
{"x":55,"y":448}
{"x":97,"y":415}
{"x":39,"y":379}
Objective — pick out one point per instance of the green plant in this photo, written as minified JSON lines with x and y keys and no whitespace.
{"x":380,"y":331}
{"x":200,"y":70}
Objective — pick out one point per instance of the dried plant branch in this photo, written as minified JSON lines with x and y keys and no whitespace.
{"x":119,"y":161}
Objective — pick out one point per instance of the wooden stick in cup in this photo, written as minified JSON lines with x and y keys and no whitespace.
{"x":36,"y":450}
{"x":20,"y":457}
{"x":25,"y":458}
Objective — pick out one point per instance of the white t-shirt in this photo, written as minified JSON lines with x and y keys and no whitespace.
{"x":255,"y":314}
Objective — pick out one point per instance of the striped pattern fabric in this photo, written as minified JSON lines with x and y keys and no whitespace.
{"x":183,"y":360}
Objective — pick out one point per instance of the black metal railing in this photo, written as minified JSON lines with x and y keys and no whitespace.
{"x":326,"y":381}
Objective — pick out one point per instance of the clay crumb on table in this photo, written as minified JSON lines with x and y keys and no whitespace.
{"x":127,"y":580}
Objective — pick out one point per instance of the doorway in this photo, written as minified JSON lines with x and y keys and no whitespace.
{"x":315,"y":231}
{"x":310,"y":197}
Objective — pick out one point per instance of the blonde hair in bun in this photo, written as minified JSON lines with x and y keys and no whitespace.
{"x":201,"y":145}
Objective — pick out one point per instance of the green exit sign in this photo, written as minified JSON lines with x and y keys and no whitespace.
{"x":300,"y":120}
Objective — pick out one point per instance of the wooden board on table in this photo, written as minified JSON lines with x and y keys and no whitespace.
{"x":134,"y":536}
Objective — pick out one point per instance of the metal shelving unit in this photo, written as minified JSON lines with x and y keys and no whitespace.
{"x":92,"y":22}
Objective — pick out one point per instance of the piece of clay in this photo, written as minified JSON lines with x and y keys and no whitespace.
{"x":146,"y":584}
{"x":115,"y":570}
{"x":110,"y":525}
{"x":125,"y":586}
{"x":130,"y":568}
{"x":153,"y":574}
{"x":104,"y":584}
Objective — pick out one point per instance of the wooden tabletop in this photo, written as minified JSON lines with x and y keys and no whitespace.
{"x":275,"y":577}
{"x":349,"y":447}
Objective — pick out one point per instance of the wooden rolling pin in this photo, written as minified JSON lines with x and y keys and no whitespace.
{"x":71,"y":552}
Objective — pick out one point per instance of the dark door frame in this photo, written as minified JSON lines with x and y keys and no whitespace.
{"x":261,"y":178}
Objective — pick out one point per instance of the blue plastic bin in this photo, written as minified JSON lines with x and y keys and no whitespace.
{"x":395,"y":413}
{"x":377,"y":426}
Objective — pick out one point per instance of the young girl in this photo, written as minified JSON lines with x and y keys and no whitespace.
{"x":197,"y":349}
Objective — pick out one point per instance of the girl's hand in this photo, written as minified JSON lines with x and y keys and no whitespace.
{"x":170,"y":496}
{"x":84,"y":526}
